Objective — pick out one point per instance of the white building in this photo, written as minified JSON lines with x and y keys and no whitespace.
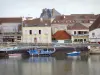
{"x":94,"y":31}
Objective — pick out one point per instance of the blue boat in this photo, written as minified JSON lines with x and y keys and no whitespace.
{"x":74,"y":53}
{"x":41,"y":51}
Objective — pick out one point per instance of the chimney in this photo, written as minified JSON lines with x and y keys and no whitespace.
{"x":41,"y":19}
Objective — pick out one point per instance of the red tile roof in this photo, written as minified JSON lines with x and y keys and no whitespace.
{"x":11,"y":20}
{"x":77,"y":26}
{"x":61,"y":35}
{"x":96,"y":24}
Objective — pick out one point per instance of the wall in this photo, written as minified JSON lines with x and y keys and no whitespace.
{"x":96,"y":36}
{"x":44,"y":37}
{"x":57,"y":27}
{"x":79,"y":36}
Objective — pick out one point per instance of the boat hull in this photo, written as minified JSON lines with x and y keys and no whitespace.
{"x":40,"y":52}
{"x":73,"y":54}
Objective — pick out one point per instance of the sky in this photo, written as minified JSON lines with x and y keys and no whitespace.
{"x":33,"y":8}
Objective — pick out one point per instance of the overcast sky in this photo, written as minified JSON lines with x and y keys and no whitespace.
{"x":34,"y":7}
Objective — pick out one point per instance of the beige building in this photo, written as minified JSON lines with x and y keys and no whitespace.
{"x":36,"y":31}
{"x":79,"y":33}
{"x":36,"y":34}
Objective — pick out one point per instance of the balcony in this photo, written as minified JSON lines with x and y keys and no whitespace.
{"x":11,"y":33}
{"x":80,"y":35}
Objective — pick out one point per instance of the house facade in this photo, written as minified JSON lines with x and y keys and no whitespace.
{"x":79,"y":33}
{"x":36,"y":31}
{"x":94,"y":29}
{"x":10,"y":29}
{"x":36,"y":35}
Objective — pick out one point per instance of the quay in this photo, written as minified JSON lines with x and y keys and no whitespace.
{"x":61,"y":49}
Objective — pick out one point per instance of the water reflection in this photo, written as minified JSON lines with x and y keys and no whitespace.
{"x":82,"y":65}
{"x":40,"y":59}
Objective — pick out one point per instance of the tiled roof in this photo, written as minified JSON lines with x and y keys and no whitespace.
{"x":77,"y":26}
{"x":61,"y":35}
{"x":96,"y":24}
{"x":73,"y":18}
{"x":37,"y":21}
{"x":64,"y":19}
{"x":11,"y":20}
{"x":85,"y":16}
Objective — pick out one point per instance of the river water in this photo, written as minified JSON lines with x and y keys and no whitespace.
{"x":82,"y":65}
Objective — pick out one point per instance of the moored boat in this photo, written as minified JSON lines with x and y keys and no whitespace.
{"x":41,"y":51}
{"x":74,"y":53}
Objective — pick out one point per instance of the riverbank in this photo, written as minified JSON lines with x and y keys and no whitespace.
{"x":59,"y":51}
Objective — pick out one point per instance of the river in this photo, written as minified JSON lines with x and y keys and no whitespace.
{"x":81,"y":65}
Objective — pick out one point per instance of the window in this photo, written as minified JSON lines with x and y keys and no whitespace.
{"x":84,"y":39}
{"x":74,"y":32}
{"x":30,"y":32}
{"x":18,"y":37}
{"x":81,"y":40}
{"x":39,"y":31}
{"x":93,"y":34}
{"x":75,"y":40}
{"x":80,"y":32}
{"x":85,"y":32}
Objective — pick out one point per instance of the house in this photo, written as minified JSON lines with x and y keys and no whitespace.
{"x":77,"y":25}
{"x":36,"y":31}
{"x":10,"y":29}
{"x":79,"y":33}
{"x":61,"y":23}
{"x":61,"y":36}
{"x":94,"y":29}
